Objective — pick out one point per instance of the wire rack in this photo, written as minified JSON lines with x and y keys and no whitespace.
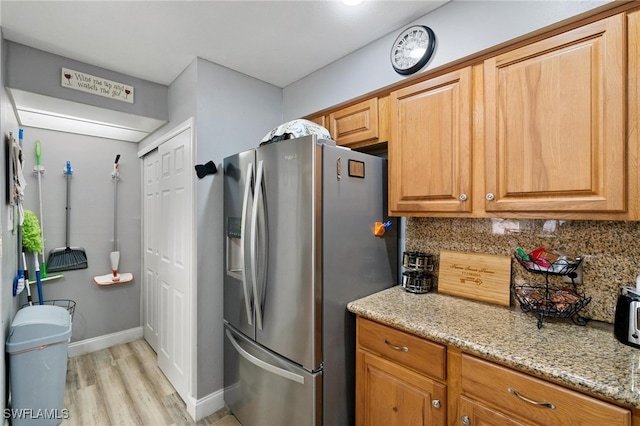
{"x":546,"y":300}
{"x":417,"y":277}
{"x":69,"y":305}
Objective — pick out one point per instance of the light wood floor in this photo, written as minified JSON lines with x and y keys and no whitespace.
{"x":123,"y":385}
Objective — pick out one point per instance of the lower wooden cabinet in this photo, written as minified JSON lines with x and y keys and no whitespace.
{"x":397,"y":378}
{"x":403,"y":379}
{"x":473,"y":413}
{"x":391,"y":395}
{"x":535,"y":401}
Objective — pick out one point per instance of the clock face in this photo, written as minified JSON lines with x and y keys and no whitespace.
{"x":412,"y":49}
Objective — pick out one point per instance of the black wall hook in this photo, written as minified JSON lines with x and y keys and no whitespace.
{"x":203,"y":170}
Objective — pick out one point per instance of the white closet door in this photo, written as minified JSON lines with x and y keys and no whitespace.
{"x":175,"y":233}
{"x":151,"y":281}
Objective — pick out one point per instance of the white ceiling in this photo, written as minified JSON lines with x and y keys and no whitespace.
{"x":275,"y":41}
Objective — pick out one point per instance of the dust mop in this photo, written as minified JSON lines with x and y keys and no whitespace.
{"x":32,"y":242}
{"x":114,"y":257}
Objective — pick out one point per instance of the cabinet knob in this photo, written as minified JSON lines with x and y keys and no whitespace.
{"x":463,"y":197}
{"x":435,"y":403}
{"x":465,"y":420}
{"x":490,"y":197}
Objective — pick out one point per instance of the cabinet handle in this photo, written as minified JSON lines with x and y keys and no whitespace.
{"x":463,"y":197}
{"x":397,"y":348}
{"x":531,"y":401}
{"x":435,"y":403}
{"x":490,"y":196}
{"x":465,"y":420}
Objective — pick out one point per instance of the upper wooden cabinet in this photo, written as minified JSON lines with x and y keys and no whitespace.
{"x":321,"y":120}
{"x":544,"y":129}
{"x":430,"y":148}
{"x":356,"y":123}
{"x":360,"y":125}
{"x":555,"y":138}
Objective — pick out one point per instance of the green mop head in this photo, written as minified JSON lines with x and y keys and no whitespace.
{"x":31,"y":236}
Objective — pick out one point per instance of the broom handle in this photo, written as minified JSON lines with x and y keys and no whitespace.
{"x":68,"y":200}
{"x":38,"y":169}
{"x":115,"y":175}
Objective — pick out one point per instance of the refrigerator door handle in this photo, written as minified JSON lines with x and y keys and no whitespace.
{"x":254,"y":242}
{"x":262,"y":364}
{"x":243,"y":241}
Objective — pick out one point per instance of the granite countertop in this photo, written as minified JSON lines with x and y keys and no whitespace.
{"x":587,"y":358}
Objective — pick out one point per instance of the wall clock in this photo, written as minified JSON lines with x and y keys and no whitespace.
{"x":412,"y":49}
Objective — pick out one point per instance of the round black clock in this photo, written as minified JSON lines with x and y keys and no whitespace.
{"x":412,"y":49}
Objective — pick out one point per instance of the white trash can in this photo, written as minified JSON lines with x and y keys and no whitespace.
{"x":37,"y":346}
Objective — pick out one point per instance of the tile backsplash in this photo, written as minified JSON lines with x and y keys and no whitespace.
{"x":611,"y":250}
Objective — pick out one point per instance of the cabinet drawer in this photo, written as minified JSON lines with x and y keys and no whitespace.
{"x":497,"y":386}
{"x":412,"y":351}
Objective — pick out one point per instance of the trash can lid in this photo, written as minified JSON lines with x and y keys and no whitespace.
{"x":38,"y":325}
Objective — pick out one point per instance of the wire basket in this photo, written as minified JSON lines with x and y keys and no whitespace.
{"x":559,"y":267}
{"x":417,"y":261}
{"x":416,"y":282}
{"x":69,"y":305}
{"x":548,"y":301}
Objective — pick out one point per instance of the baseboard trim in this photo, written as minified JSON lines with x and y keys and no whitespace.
{"x":203,"y":407}
{"x":106,"y":341}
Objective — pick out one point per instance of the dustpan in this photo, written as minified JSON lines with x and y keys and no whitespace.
{"x":67,"y":258}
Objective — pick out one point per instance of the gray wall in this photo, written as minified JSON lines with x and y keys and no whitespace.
{"x":232,"y":113}
{"x":37,"y":71}
{"x":100,"y":310}
{"x":462,"y":28}
{"x":8,"y":250}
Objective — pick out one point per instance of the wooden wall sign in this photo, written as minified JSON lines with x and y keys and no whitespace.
{"x":87,"y":83}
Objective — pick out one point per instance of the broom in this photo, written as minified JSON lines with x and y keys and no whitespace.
{"x":66,"y":258}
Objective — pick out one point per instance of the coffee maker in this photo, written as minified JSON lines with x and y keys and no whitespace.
{"x":626,"y":327}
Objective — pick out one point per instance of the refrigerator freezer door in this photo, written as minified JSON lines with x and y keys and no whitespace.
{"x":239,"y":177}
{"x":356,"y":264}
{"x":261,"y":388}
{"x":291,"y":298}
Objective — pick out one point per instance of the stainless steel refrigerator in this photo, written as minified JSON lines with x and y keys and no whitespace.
{"x":299,"y":217}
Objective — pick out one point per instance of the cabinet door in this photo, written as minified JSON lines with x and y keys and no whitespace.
{"x":320,"y":120}
{"x":472,"y":413}
{"x":356,"y":125}
{"x":388,"y":394}
{"x":430,"y":146}
{"x":555,"y":123}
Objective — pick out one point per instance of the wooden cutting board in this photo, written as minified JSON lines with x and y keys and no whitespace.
{"x":484,"y":277}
